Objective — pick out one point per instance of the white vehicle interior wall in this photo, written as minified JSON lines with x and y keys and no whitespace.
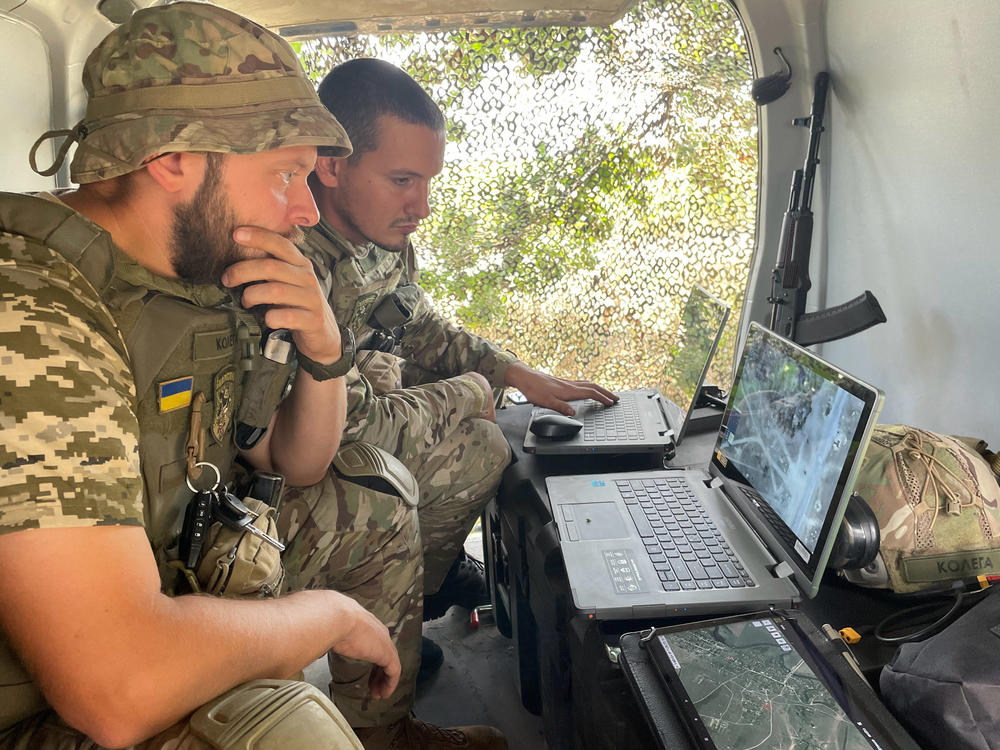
{"x":915,"y":174}
{"x":910,"y":169}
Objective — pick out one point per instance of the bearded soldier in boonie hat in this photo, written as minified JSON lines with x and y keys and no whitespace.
{"x":192,"y":77}
{"x":124,"y":381}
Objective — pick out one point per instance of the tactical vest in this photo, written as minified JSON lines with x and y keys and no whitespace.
{"x":371,"y":277}
{"x":185,"y":343}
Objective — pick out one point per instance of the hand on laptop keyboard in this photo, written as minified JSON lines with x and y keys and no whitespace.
{"x":551,"y":392}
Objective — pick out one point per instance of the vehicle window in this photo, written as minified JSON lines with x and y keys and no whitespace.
{"x":592,"y":176}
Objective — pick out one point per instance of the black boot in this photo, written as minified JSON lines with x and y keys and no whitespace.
{"x":465,"y":585}
{"x":431,"y":659}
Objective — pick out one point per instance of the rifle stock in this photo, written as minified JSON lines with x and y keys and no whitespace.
{"x":790,"y":283}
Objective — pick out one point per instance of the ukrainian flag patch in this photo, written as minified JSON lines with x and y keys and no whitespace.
{"x":175,"y":394}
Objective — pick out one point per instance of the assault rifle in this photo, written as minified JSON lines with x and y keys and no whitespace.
{"x":790,"y":280}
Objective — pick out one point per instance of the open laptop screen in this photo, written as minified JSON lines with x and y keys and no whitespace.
{"x":690,"y":355}
{"x":790,"y":442}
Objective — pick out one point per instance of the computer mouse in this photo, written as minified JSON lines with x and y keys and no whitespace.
{"x":555,"y":426}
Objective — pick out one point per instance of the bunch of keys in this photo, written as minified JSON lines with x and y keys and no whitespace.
{"x":215,"y":504}
{"x":233,"y":514}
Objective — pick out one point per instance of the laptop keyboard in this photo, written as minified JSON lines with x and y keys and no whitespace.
{"x":617,"y":422}
{"x":687,"y":550}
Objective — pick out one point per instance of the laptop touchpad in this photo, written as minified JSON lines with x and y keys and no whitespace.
{"x":596,"y":520}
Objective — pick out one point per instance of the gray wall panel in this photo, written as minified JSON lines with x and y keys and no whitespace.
{"x":914,"y":180}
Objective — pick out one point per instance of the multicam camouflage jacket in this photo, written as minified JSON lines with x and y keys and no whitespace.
{"x":359,"y":277}
{"x":363,"y":274}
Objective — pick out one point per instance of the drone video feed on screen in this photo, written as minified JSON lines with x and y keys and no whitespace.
{"x":789,"y":433}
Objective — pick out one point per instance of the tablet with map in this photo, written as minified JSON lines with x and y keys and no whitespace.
{"x":757,"y":681}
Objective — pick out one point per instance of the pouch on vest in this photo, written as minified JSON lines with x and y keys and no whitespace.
{"x":263,"y":388}
{"x":397,"y":308}
{"x":240,"y":564}
{"x":265,"y":383}
{"x":937,"y":503}
{"x":393,"y":312}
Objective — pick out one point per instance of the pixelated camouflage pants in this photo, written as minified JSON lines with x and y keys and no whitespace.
{"x":46,"y":731}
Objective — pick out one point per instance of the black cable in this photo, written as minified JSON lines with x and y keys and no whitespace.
{"x":911,"y":612}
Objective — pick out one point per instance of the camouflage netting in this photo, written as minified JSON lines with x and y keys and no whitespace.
{"x":592,"y":176}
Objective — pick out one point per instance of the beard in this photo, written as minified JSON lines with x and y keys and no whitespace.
{"x":202,"y":244}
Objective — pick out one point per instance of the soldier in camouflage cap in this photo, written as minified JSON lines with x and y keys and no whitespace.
{"x":125,"y":362}
{"x":937,"y":502}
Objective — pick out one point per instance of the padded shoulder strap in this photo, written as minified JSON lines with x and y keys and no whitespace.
{"x":57,"y":226}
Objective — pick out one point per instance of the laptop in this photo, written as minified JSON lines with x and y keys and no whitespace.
{"x":751,"y":531}
{"x":648,"y":420}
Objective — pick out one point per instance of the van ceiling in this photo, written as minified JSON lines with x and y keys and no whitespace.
{"x":310,"y":18}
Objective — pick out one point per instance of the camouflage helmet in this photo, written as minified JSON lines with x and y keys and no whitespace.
{"x":937,"y":502}
{"x":191,"y":76}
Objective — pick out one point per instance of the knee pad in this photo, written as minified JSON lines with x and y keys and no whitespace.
{"x":273,"y":715}
{"x":372,"y":467}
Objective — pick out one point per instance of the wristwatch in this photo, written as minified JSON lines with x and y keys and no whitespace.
{"x":336,"y":369}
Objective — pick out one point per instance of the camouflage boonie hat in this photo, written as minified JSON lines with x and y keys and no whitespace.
{"x":937,"y":502}
{"x":192,"y":77}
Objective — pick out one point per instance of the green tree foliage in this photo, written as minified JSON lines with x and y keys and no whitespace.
{"x":593,"y":175}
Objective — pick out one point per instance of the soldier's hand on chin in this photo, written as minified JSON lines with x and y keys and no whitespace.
{"x":279,"y":277}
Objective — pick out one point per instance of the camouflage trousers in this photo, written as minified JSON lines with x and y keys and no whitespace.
{"x":288,"y":729}
{"x":385,"y":553}
{"x":457,"y":460}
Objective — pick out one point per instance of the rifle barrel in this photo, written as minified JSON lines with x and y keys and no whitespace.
{"x":816,"y":115}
